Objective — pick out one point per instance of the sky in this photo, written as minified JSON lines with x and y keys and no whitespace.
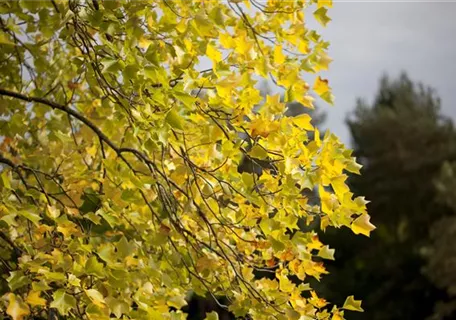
{"x":372,"y":38}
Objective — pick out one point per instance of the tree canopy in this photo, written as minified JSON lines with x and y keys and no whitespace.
{"x":121,"y":192}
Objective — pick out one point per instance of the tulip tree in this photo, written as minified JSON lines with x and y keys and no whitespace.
{"x":120,"y":189}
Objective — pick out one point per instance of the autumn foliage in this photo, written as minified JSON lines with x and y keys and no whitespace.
{"x":120,"y":188}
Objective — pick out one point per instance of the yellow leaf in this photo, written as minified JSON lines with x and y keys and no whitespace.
{"x":362,"y":225}
{"x":226,"y":40}
{"x":181,"y":26}
{"x":279,"y":57}
{"x":34,"y":299}
{"x":274,"y":104}
{"x":303,"y":121}
{"x":339,"y":186}
{"x":303,"y":47}
{"x":316,"y":301}
{"x":213,"y":53}
{"x":17,"y":309}
{"x":144,"y":42}
{"x":242,"y":45}
{"x":324,"y":3}
{"x":321,"y":16}
{"x":321,"y":86}
{"x":68,"y":228}
{"x":247,"y":273}
{"x":262,"y":127}
{"x":285,"y":284}
{"x":352,"y":304}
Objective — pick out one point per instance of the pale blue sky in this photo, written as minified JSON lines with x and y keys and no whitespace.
{"x":370,"y":38}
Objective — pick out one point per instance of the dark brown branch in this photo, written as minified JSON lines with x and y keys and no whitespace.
{"x":8,"y":241}
{"x":66,"y":109}
{"x":96,"y":5}
{"x":55,"y":6}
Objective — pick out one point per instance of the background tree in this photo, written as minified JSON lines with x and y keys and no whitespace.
{"x":402,"y":140}
{"x":441,"y":253}
{"x":121,"y":192}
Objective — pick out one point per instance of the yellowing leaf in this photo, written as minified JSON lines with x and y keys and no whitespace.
{"x":17,"y":309}
{"x":362,"y":225}
{"x":212,"y":316}
{"x":53,"y":212}
{"x":213,"y":54}
{"x":5,"y":179}
{"x":352,"y":304}
{"x":258,"y":152}
{"x":326,"y":253}
{"x":96,"y":297}
{"x":4,"y":39}
{"x":322,"y":62}
{"x":34,"y":299}
{"x":176,"y":302}
{"x":321,"y":16}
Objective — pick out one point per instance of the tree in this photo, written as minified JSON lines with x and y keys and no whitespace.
{"x":121,"y":192}
{"x":441,"y":253}
{"x":402,"y":140}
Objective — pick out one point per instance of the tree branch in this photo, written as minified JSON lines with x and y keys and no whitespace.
{"x":66,"y":109}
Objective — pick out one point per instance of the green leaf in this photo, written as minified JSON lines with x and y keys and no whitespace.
{"x":63,"y":302}
{"x":118,"y":307}
{"x":5,"y":179}
{"x":124,"y":248}
{"x":93,"y":267}
{"x":174,"y":119}
{"x":321,"y":16}
{"x":130,"y":72}
{"x":93,"y":217}
{"x":112,"y":65}
{"x":35,"y":218}
{"x":185,"y":98}
{"x":17,"y":280}
{"x":212,"y":316}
